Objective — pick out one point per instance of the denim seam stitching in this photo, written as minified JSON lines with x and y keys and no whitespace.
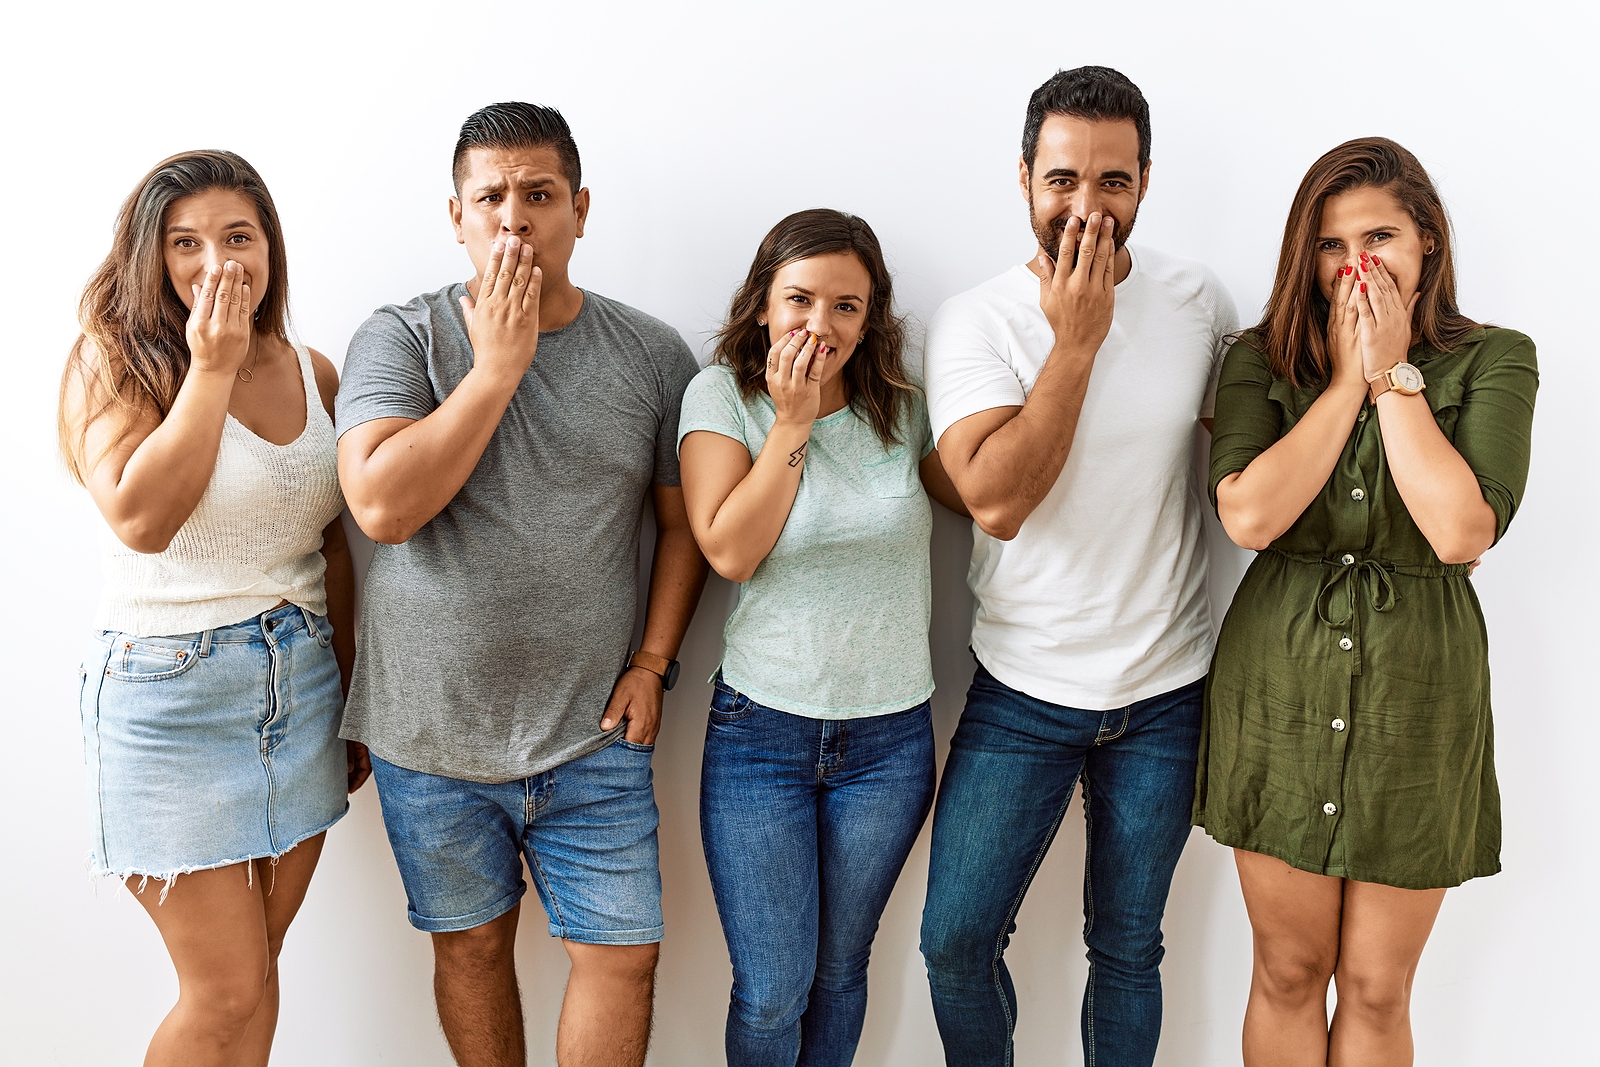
{"x":549,"y":890}
{"x":1016,"y":906}
{"x":1090,"y":1058}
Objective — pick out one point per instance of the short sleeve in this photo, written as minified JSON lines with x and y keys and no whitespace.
{"x":964,"y":369}
{"x":1224,"y":325}
{"x":920,"y":436}
{"x":385,"y":373}
{"x":678,"y":370}
{"x":1494,"y":431}
{"x":712,"y":403}
{"x":1248,"y":420}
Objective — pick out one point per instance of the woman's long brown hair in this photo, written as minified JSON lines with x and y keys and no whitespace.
{"x":132,"y":355}
{"x":1293,"y":333}
{"x":875,"y":381}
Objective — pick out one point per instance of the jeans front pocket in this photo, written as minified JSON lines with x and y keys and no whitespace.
{"x":151,"y":659}
{"x":727,"y":704}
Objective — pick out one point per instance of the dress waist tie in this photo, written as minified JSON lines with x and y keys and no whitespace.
{"x":1349,"y":576}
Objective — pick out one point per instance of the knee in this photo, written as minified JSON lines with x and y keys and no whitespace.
{"x":483,"y":948}
{"x":1379,"y":999}
{"x":1292,"y":979}
{"x":951,"y":946}
{"x":844,"y":973}
{"x":619,"y":965}
{"x":769,"y":1006}
{"x":227,"y":1002}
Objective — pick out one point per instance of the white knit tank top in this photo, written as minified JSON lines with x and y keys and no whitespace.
{"x":254,"y":540}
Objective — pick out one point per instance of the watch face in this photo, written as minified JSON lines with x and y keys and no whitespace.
{"x":1407,"y":379}
{"x":670,"y":679}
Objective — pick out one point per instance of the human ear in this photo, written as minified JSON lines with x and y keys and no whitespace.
{"x":580,"y":205}
{"x":1144,"y":182}
{"x":1024,"y":179}
{"x":455,"y":219}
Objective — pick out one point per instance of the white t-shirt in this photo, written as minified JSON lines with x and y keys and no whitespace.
{"x":1100,"y":600}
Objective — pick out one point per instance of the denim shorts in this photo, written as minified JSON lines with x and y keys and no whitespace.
{"x":211,"y":748}
{"x":587,"y":828}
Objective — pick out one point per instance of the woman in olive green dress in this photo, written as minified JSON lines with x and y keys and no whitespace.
{"x":1371,"y":441}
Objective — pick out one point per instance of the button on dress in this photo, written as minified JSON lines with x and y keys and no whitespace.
{"x":1350,"y":619}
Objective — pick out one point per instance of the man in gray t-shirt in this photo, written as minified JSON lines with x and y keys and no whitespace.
{"x":498,"y":438}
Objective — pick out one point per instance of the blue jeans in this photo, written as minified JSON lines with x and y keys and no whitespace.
{"x":806,"y":825}
{"x":1007,"y":783}
{"x":587,"y":829}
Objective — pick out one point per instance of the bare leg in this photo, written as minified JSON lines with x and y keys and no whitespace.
{"x":605,"y":1017}
{"x":475,"y":985}
{"x":1294,"y":917}
{"x":215,"y":932}
{"x":1383,"y":934}
{"x":283,"y":889}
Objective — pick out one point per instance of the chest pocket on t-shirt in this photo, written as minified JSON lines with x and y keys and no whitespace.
{"x":891,"y":473}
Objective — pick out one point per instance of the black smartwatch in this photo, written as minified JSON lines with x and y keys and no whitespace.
{"x":666,"y":668}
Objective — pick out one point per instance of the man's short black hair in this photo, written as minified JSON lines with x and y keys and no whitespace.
{"x":1097,"y":93}
{"x":518,"y":125}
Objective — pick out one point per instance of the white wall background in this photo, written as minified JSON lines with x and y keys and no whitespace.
{"x":699,"y":128}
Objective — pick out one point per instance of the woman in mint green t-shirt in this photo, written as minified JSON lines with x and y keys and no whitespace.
{"x":805,"y":450}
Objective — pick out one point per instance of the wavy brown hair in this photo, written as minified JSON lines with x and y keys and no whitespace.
{"x":1293,"y":332}
{"x":132,"y":355}
{"x":875,"y":381}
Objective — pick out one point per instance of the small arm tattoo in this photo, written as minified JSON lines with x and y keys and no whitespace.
{"x":797,"y":456}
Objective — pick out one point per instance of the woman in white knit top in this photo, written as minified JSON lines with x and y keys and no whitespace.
{"x":213,"y":686}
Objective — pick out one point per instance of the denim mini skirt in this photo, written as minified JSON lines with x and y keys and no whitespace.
{"x":211,"y":748}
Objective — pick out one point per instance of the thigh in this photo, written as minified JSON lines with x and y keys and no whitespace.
{"x":1138,"y":789}
{"x":458,"y":845}
{"x":591,"y":845}
{"x":759,"y":824}
{"x":1383,"y":930}
{"x":1294,"y":914}
{"x":287,"y":879}
{"x":1007,"y":782}
{"x":868,"y":821}
{"x":214,"y":927}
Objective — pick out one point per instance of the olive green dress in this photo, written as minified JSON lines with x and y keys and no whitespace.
{"x":1347,"y":728}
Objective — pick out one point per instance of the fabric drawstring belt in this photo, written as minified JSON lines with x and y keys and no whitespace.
{"x":1350,"y":576}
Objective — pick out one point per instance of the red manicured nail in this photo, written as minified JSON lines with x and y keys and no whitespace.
{"x":1363,"y":287}
{"x":1375,"y":259}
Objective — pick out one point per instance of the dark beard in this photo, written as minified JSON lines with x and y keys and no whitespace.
{"x":1049,"y":234}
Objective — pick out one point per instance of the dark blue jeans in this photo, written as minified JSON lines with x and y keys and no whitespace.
{"x":1013,"y":763}
{"x":806,"y":824}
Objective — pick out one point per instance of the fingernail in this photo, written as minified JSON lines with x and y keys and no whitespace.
{"x":1363,"y":287}
{"x":1375,"y":259}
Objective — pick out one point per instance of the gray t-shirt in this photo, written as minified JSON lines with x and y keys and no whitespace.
{"x":490,"y":641}
{"x":834,"y":622}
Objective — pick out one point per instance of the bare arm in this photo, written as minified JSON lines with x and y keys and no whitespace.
{"x":148,"y":483}
{"x":399,"y":473}
{"x":1004,"y":461}
{"x":1440,"y":490}
{"x":1259,"y":503}
{"x":736,"y":508}
{"x":939,"y":485}
{"x":677,"y":577}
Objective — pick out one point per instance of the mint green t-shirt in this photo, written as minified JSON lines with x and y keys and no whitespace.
{"x":834,"y":622}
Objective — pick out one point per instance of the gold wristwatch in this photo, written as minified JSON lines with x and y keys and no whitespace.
{"x":1403,"y":378}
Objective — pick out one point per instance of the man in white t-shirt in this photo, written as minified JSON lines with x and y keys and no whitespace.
{"x":1065,"y":396}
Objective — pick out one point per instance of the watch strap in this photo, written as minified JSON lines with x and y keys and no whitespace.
{"x":653,"y":663}
{"x":1379,"y":384}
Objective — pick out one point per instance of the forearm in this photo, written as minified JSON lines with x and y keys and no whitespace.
{"x":1259,"y":503}
{"x":677,"y":577}
{"x":409,"y":477}
{"x":1017,"y":465}
{"x":161,"y":482}
{"x":339,"y":578}
{"x":750,"y":520}
{"x":1440,"y":491}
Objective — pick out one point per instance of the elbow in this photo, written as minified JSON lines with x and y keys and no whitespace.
{"x":729,"y":566}
{"x":1247,"y":530}
{"x":1463,"y":549}
{"x":999,"y":522}
{"x":145,"y":537}
{"x":379,"y":523}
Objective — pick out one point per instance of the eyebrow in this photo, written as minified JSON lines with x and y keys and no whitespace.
{"x":498,"y":185}
{"x":1369,"y":233}
{"x":242,"y":224}
{"x":1068,"y":172}
{"x":803,"y":291}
